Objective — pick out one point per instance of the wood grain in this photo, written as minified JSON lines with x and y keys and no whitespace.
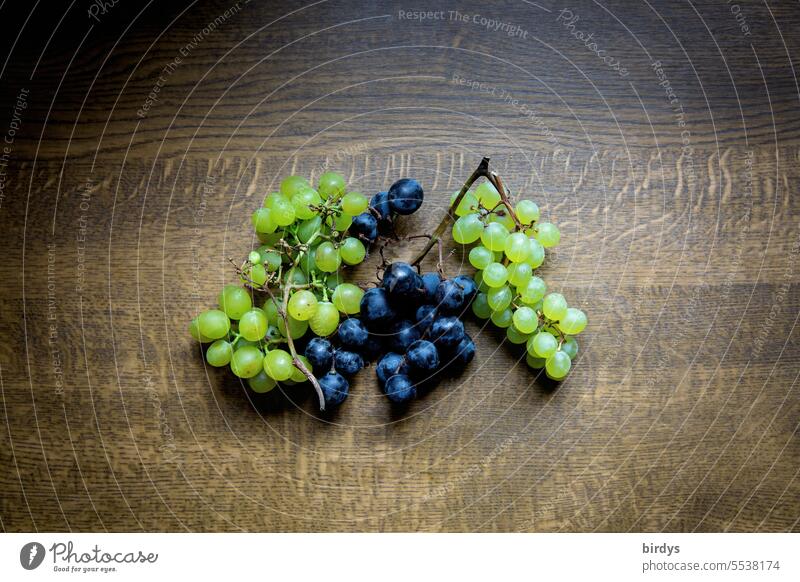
{"x":682,"y":411}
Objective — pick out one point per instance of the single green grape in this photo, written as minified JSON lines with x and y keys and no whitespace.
{"x":495,"y":275}
{"x":253,"y":324}
{"x":325,"y":320}
{"x":517,"y":247}
{"x":257,"y":275}
{"x":333,"y":280}
{"x":548,"y":234}
{"x":503,"y":318}
{"x":494,"y":236}
{"x":554,"y":306}
{"x":558,"y":365}
{"x":331,"y":184}
{"x":302,"y":305}
{"x":270,"y":258}
{"x":480,"y":283}
{"x":527,"y":211}
{"x":308,"y":229}
{"x":213,"y":324}
{"x":354,"y":203}
{"x":542,"y":345}
{"x":487,"y":195}
{"x":282,"y":210}
{"x":570,"y":347}
{"x":536,"y":256}
{"x":347,"y":298}
{"x":327,"y":257}
{"x":499,"y":298}
{"x":519,"y":274}
{"x":467,"y":229}
{"x":515,"y":336}
{"x":573,"y":322}
{"x":270,"y":309}
{"x":342,"y":222}
{"x":261,"y":383}
{"x":291,"y":185}
{"x":533,"y":291}
{"x":308,"y":263}
{"x":219,"y":353}
{"x":526,"y":320}
{"x":534,"y":362}
{"x":502,"y":216}
{"x":480,"y":257}
{"x":234,"y":301}
{"x":194,"y":330}
{"x":278,"y":365}
{"x":254,"y":257}
{"x":295,"y":276}
{"x":297,"y":374}
{"x":297,"y":328}
{"x":247,"y":361}
{"x":480,"y":306}
{"x":263,"y":221}
{"x":304,"y":201}
{"x":352,"y":251}
{"x":469,"y":203}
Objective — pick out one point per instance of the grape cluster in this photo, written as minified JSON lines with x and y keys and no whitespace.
{"x":411,"y":324}
{"x":292,"y":283}
{"x":511,"y":246}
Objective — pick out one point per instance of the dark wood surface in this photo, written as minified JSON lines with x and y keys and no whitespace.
{"x":680,"y":240}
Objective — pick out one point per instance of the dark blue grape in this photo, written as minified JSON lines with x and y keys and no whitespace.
{"x":402,"y":281}
{"x":405,"y":196}
{"x":399,"y":388}
{"x":446,"y":332}
{"x":365,"y":225}
{"x":319,"y":352}
{"x":376,"y":311}
{"x":373,"y":348}
{"x":389,"y":365}
{"x":353,"y":334}
{"x":403,"y":334}
{"x":450,"y":297}
{"x":468,"y":285}
{"x":423,"y":357}
{"x":347,"y":363}
{"x":430,"y":281}
{"x":456,"y":359}
{"x":424,"y":316}
{"x":334,"y":388}
{"x":380,"y":202}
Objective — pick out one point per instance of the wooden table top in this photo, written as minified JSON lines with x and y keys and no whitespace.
{"x":661,"y":137}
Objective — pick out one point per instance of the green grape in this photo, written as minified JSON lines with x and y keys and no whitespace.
{"x":347,"y":298}
{"x":327,"y":257}
{"x":270,"y":258}
{"x":270,"y":309}
{"x":291,"y":185}
{"x":341,"y":223}
{"x":519,"y":274}
{"x":515,"y":336}
{"x":282,"y":210}
{"x":480,"y":283}
{"x":494,"y":236}
{"x":234,"y":301}
{"x":302,"y":305}
{"x":303,"y":203}
{"x":297,"y":328}
{"x":526,"y":320}
{"x":534,"y":362}
{"x":467,"y":229}
{"x":354,"y":203}
{"x":295,"y":276}
{"x":326,"y":319}
{"x":527,"y":211}
{"x":194,"y":330}
{"x":480,"y":257}
{"x":269,"y":238}
{"x":469,"y":203}
{"x":570,"y":347}
{"x":247,"y":361}
{"x":501,"y":216}
{"x":253,"y":324}
{"x":273,"y":333}
{"x":554,"y":306}
{"x":254,"y":257}
{"x":297,"y":374}
{"x":333,"y":280}
{"x":257,"y":275}
{"x":331,"y":184}
{"x":542,"y":345}
{"x":352,"y":251}
{"x":548,"y":234}
{"x":219,"y":353}
{"x":533,"y":291}
{"x":307,"y":262}
{"x":487,"y":195}
{"x":278,"y":365}
{"x":536,"y":256}
{"x":499,"y":298}
{"x":263,"y":221}
{"x":213,"y":324}
{"x":495,"y":275}
{"x":308,"y":229}
{"x":573,"y":322}
{"x":503,"y":318}
{"x":558,"y":365}
{"x":261,"y":383}
{"x":517,"y":247}
{"x":480,"y":306}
